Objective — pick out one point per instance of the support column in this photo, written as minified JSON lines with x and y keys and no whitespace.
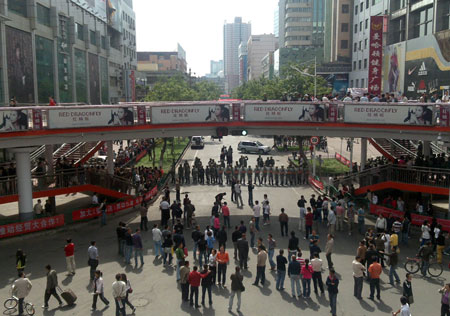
{"x":426,"y":148}
{"x":50,"y":172}
{"x":110,"y":159}
{"x":351,"y":154}
{"x":363,"y":153}
{"x":24,"y":187}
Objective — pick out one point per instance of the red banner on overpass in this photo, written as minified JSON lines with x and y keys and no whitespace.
{"x":31,"y":226}
{"x":316,"y":183}
{"x":342,"y":159}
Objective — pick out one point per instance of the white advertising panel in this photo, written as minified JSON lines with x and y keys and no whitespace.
{"x":190,"y":113}
{"x":388,"y":114}
{"x":87,"y":117}
{"x":284,"y":112}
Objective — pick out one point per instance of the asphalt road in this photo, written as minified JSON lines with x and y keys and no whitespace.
{"x":155,"y":289}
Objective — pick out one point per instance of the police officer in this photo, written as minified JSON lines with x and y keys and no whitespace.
{"x":220,"y":174}
{"x":228,"y":171}
{"x":257,"y":174}
{"x":187,"y":173}
{"x":264,"y":175}
{"x":194,"y":174}
{"x":181,"y":174}
{"x":276,"y":174}
{"x":282,"y":175}
{"x":270,"y":171}
{"x":243,"y":171}
{"x":207,"y":172}
{"x":249,"y":174}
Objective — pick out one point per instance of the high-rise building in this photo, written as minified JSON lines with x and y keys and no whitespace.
{"x":338,"y":35}
{"x":79,"y":51}
{"x":243,"y":63}
{"x":233,"y":35}
{"x":216,"y":68}
{"x":276,"y":22}
{"x":259,"y":46}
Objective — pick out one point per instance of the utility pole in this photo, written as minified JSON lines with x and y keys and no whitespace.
{"x":315,"y":77}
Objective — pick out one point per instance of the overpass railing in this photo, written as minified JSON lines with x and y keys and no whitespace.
{"x":156,"y":113}
{"x":435,"y":177}
{"x":67,"y":178}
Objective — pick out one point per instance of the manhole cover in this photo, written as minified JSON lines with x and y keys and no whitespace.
{"x":140,"y":302}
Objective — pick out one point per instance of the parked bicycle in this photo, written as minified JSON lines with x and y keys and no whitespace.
{"x":13,"y":302}
{"x":413,"y":265}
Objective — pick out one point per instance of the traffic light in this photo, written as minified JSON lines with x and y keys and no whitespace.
{"x":239,"y":132}
{"x":222,"y":131}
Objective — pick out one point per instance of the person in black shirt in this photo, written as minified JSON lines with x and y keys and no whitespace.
{"x":206,"y":284}
{"x":120,"y":231}
{"x":202,"y":254}
{"x":196,"y":235}
{"x":235,"y":236}
{"x":292,"y":246}
{"x":178,"y":228}
{"x":281,"y":270}
{"x":242,"y":228}
{"x":222,"y":237}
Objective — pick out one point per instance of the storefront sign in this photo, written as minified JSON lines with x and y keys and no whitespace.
{"x":388,"y":114}
{"x":31,"y":226}
{"x":375,"y":54}
{"x":190,"y":113}
{"x":284,"y":112}
{"x":90,"y":117}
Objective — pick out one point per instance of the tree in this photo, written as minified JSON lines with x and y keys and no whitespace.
{"x":207,"y":90}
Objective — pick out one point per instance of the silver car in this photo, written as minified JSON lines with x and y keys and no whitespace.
{"x":248,"y":146}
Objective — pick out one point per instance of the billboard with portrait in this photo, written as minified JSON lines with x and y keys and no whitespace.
{"x":44,"y":68}
{"x":285,"y":112}
{"x":94,"y":79}
{"x":388,"y":114}
{"x":19,"y":57}
{"x":394,"y":69}
{"x":12,"y":121}
{"x":190,"y":113}
{"x":90,"y":117}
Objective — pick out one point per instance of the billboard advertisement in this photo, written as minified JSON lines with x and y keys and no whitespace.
{"x":11,"y":121}
{"x":394,"y":69}
{"x":388,"y":114}
{"x":113,"y":13}
{"x":94,"y":79}
{"x":375,"y":54}
{"x":44,"y":68}
{"x":19,"y":57}
{"x":284,"y":112}
{"x":86,"y":117}
{"x":190,"y":113}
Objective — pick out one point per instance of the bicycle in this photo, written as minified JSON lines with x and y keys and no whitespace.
{"x":12,"y":302}
{"x":413,"y":265}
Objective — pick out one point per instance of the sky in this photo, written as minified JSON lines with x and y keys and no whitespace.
{"x":197,"y":25}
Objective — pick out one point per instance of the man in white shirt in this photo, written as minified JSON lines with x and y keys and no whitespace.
{"x":20,"y":289}
{"x":157,"y":238}
{"x":404,"y":309}
{"x":38,"y":209}
{"x":358,"y":276}
{"x":95,"y":199}
{"x":237,"y":191}
{"x":316,"y":264}
{"x":119,"y":293}
{"x":165,"y":212}
{"x":257,"y":214}
{"x":374,"y":199}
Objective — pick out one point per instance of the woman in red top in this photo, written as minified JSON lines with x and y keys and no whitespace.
{"x":307,"y":271}
{"x":69,"y":250}
{"x":308,"y":222}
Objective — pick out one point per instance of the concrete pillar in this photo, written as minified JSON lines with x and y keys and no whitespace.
{"x":351,"y":154}
{"x":49,"y":159}
{"x":110,"y":159}
{"x":426,"y":148}
{"x":363,"y":153}
{"x":24,"y":187}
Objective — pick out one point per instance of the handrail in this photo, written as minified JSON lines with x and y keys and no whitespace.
{"x":406,"y":150}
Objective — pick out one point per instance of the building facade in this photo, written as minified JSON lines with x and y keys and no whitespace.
{"x":243,"y":63}
{"x":65,"y":49}
{"x":267,"y":66}
{"x":216,"y":67}
{"x":233,"y":35}
{"x":259,"y":46}
{"x":338,"y":35}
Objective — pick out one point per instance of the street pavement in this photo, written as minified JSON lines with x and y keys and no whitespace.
{"x":155,"y":291}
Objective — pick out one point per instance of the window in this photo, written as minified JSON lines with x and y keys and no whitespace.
{"x":367,"y":4}
{"x":357,"y":83}
{"x":443,"y":18}
{"x":43,"y":15}
{"x":356,"y":10}
{"x":93,"y":38}
{"x":360,"y":26}
{"x":359,"y":64}
{"x":79,"y":29}
{"x":103,"y":40}
{"x":345,"y":8}
{"x":365,"y":43}
{"x":362,"y":83}
{"x":356,"y":28}
{"x":365,"y":64}
{"x":355,"y":47}
{"x":344,"y":44}
{"x":351,"y":83}
{"x":421,"y":22}
{"x":344,"y":27}
{"x":359,"y":45}
{"x":366,"y":24}
{"x":18,"y":7}
{"x":354,"y":65}
{"x":361,"y":7}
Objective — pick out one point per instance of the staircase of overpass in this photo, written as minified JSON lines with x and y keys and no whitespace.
{"x":395,"y":148}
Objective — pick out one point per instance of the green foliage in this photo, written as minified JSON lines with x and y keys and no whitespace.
{"x":274,"y":89}
{"x":179,"y":89}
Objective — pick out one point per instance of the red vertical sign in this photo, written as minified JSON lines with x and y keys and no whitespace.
{"x":37,"y":119}
{"x":332,"y":112}
{"x":444,"y":115}
{"x":236,"y":112}
{"x":141,"y":115}
{"x":376,"y":54}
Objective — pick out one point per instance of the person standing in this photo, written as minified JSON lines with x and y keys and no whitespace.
{"x":243,"y":249}
{"x":332,"y":286}
{"x":308,"y":222}
{"x":194,"y":281}
{"x":128,"y":291}
{"x":252,"y":229}
{"x":358,"y":277}
{"x":120,"y":231}
{"x":340,"y":217}
{"x":294,"y":269}
{"x":425,"y":252}
{"x":375,"y":272}
{"x":184,"y":275}
{"x":301,"y":204}
{"x":93,"y":259}
{"x":332,"y":221}
{"x":50,"y":289}
{"x":250,"y":188}
{"x":138,"y":247}
{"x":206,"y":284}
{"x":238,"y":193}
{"x":226,"y":214}
{"x":222,"y":262}
{"x":21,"y":260}
{"x":261,"y":266}
{"x":69,"y":250}
{"x":164,"y":206}
{"x":235,"y":236}
{"x":283,"y":218}
{"x":196,"y":235}
{"x":407,"y":289}
{"x":393,"y":262}
{"x":222,"y":237}
{"x":329,"y":250}
{"x":316,"y":264}
{"x":236,"y":289}
{"x":445,"y":300}
{"x":180,"y":255}
{"x":119,"y":289}
{"x":20,"y":289}
{"x":157,"y":237}
{"x":404,"y":308}
{"x":306,"y":272}
{"x":271,"y":243}
{"x":144,"y":219}
{"x":281,"y":270}
{"x":256,"y":214}
{"x":292,"y":246}
{"x":128,"y":246}
{"x":98,"y":290}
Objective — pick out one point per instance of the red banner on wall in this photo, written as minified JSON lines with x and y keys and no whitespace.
{"x":31,"y":226}
{"x":444,"y":115}
{"x":342,"y":159}
{"x":332,"y":112}
{"x":141,"y":117}
{"x":375,"y":55}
